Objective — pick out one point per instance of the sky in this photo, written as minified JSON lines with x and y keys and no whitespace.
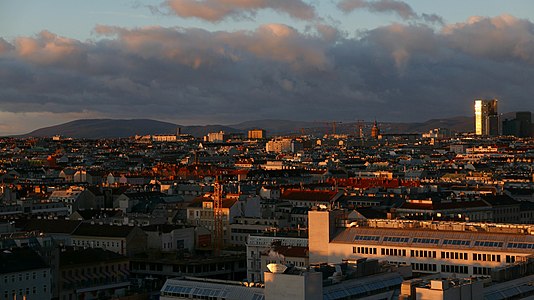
{"x":228,"y":61}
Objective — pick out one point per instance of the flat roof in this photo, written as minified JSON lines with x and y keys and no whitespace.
{"x":467,"y":240}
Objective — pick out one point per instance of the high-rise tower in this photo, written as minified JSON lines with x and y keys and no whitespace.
{"x":486,"y":117}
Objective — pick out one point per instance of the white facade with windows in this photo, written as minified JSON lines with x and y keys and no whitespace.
{"x":459,"y":249}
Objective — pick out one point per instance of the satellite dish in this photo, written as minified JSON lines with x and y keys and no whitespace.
{"x":277,"y":268}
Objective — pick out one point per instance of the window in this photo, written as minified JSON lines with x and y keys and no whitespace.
{"x":488,"y":244}
{"x":454,"y":269}
{"x":520,"y":245}
{"x":456,"y":242}
{"x":486,"y":257}
{"x":481,"y":271}
{"x":367,"y":238}
{"x":425,"y":241}
{"x":396,"y":239}
{"x":364,"y":250}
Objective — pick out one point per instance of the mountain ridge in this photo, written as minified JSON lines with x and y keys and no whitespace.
{"x":117,"y":128}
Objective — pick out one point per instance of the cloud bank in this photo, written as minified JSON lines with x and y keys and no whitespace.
{"x":397,"y":72}
{"x":218,"y":10}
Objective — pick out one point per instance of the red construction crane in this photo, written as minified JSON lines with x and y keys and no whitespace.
{"x":218,"y":230}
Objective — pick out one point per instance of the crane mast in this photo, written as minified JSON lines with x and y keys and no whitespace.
{"x":218,"y":230}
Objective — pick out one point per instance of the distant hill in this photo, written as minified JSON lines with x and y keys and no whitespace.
{"x":105,"y":128}
{"x":273,"y":126}
{"x":113,"y":128}
{"x":109,"y":128}
{"x":200,"y":131}
{"x":456,"y":124}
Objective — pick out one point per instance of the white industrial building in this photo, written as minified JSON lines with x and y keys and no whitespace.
{"x":454,"y":249}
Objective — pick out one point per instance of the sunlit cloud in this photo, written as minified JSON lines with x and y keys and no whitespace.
{"x":399,"y":71}
{"x":218,"y":10}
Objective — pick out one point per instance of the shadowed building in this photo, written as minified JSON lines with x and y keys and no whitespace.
{"x":521,"y":126}
{"x":24,"y":275}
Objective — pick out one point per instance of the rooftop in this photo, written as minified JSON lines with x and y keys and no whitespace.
{"x":309,"y":195}
{"x":103,"y":230}
{"x":19,"y":260}
{"x":72,"y":256}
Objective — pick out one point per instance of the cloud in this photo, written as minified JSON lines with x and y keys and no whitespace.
{"x":400,"y":8}
{"x":5,"y":46}
{"x":397,"y":72}
{"x":198,"y":48}
{"x":501,"y":38}
{"x":218,"y":10}
{"x":48,"y":48}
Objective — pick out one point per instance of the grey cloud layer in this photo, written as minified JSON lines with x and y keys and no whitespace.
{"x":396,"y":72}
{"x":402,"y":9}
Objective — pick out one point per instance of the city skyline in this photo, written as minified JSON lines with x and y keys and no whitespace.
{"x":206,"y":62}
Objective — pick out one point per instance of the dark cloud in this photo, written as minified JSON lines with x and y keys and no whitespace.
{"x":397,"y":72}
{"x":400,"y":8}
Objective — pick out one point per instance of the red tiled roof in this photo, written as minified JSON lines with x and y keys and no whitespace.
{"x":373,"y":182}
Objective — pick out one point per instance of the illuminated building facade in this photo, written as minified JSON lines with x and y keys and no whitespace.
{"x":256,"y":134}
{"x":451,"y":248}
{"x":375,"y":131}
{"x":486,"y":117}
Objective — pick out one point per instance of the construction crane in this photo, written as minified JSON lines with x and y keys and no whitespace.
{"x":360,"y":127}
{"x":334,"y":124}
{"x":218,"y":230}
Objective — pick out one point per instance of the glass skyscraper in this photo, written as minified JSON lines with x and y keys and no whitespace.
{"x":486,"y":117}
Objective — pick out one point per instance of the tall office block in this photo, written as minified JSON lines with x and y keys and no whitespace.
{"x":521,"y":126}
{"x":256,"y":134}
{"x":486,"y":117}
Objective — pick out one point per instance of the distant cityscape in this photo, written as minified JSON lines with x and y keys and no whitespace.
{"x":357,"y":213}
